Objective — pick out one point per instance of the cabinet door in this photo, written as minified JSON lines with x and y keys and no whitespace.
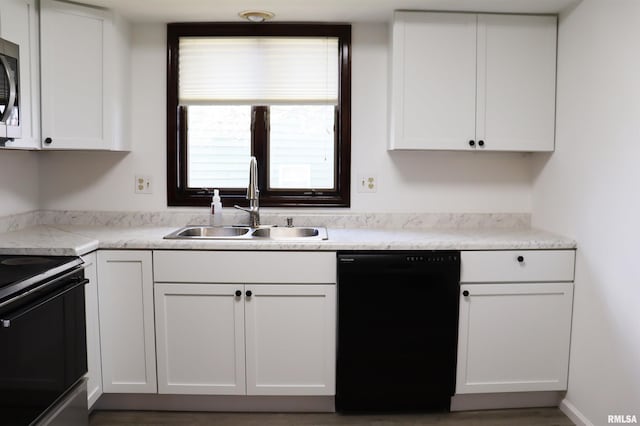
{"x":433,"y":82}
{"x":75,"y":109}
{"x":200,"y":332}
{"x":19,"y":24}
{"x":127,"y":340}
{"x":514,"y":337}
{"x":94,"y":373}
{"x":290,"y":339}
{"x":516,"y":82}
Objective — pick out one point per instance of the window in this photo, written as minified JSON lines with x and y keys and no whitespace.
{"x":279,"y":92}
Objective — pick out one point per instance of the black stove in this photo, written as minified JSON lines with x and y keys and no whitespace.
{"x":42,"y":337}
{"x":20,"y":273}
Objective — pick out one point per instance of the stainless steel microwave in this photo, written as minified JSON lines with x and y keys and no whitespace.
{"x":9,"y":90}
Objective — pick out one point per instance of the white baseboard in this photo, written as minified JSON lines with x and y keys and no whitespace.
{"x":574,"y":414}
{"x":492,"y":401}
{"x":317,"y":404}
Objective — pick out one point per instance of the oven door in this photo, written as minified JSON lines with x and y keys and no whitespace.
{"x":43,"y":350}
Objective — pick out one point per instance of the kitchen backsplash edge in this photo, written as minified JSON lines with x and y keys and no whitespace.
{"x":123,"y":219}
{"x":18,"y":221}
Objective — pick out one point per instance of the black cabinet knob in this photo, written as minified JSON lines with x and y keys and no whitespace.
{"x":238,"y":293}
{"x":472,"y":143}
{"x":520,"y":259}
{"x":249,"y":293}
{"x":481,"y":143}
{"x":48,"y":141}
{"x":465,"y":293}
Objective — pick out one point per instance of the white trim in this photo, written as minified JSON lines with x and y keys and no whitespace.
{"x":574,"y":414}
{"x":493,"y":401}
{"x":216,"y":403}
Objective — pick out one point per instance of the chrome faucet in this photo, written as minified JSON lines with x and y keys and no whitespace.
{"x":253,"y":194}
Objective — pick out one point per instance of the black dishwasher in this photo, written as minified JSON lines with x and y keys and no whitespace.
{"x":397,"y":330}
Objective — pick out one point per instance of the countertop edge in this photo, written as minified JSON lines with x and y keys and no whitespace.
{"x":80,"y":240}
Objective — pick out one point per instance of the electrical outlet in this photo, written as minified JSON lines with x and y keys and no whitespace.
{"x":143,"y":184}
{"x":367,"y":183}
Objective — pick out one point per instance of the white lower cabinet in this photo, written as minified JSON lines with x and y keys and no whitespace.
{"x":264,"y":323}
{"x":236,"y":338}
{"x":514,"y":336}
{"x":127,"y":338}
{"x":200,"y":337}
{"x":94,"y":368}
{"x":284,"y":333}
{"x":290,"y":334}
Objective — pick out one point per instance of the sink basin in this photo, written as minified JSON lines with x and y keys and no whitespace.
{"x":286,"y":233}
{"x":207,"y":232}
{"x":246,"y":233}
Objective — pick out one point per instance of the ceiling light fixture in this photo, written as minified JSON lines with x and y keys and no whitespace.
{"x":256,"y":15}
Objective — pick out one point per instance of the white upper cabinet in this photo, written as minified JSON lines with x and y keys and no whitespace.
{"x":463,"y":81}
{"x":85,"y":78}
{"x":516,"y":82}
{"x":433,"y":90}
{"x":19,"y":24}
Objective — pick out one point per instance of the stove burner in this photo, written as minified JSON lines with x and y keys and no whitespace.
{"x":21,"y":261}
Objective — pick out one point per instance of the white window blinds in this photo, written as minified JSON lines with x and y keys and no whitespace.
{"x":258,"y":70}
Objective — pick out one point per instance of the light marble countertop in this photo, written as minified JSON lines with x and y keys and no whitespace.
{"x":46,"y":240}
{"x":82,"y":239}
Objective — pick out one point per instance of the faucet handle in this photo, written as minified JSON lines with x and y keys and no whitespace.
{"x":289,"y":222}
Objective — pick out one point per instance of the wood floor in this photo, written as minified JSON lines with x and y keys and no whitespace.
{"x":519,"y":417}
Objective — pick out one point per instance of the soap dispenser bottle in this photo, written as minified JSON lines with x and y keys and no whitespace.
{"x":215,"y":218}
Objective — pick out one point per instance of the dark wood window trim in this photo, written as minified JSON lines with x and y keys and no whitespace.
{"x":178,"y":194}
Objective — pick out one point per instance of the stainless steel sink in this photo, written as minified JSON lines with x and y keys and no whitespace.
{"x":206,"y":232}
{"x":292,"y":233}
{"x":286,"y":233}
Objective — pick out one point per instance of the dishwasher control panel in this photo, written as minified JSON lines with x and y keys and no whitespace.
{"x":435,"y":258}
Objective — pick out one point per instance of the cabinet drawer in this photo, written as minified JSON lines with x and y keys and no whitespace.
{"x":517,"y":266}
{"x":244,"y":267}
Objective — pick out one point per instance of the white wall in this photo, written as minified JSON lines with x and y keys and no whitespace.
{"x":18,"y":182}
{"x":427,"y":182}
{"x":589,"y":189}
